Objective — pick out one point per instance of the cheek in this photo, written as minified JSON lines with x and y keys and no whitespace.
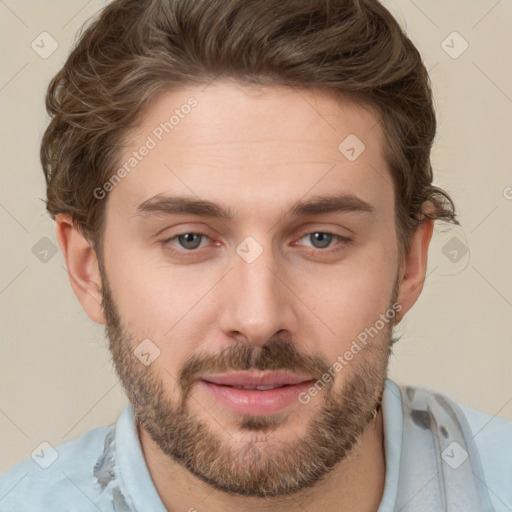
{"x":346,"y":299}
{"x":155,"y":301}
{"x":162,"y":302}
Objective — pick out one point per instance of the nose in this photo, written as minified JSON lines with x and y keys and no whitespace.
{"x":257,"y":303}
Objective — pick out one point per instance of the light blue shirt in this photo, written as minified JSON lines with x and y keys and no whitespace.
{"x":105,"y":470}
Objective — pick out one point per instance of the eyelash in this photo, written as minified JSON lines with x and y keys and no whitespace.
{"x":342,"y":240}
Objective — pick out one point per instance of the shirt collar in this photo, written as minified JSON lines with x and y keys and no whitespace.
{"x":393,"y":429}
{"x":132,"y":470}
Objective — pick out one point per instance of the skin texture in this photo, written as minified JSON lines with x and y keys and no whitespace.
{"x":298,"y":306}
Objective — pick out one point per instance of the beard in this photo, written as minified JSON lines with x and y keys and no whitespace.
{"x":252,"y":464}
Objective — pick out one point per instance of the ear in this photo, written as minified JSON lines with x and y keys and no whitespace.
{"x":82,"y":267}
{"x":414,"y":267}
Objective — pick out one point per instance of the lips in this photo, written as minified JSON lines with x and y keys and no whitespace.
{"x":256,"y":393}
{"x":257,"y":381}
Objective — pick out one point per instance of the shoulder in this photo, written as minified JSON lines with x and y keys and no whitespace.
{"x":56,"y":477}
{"x":493,"y":438}
{"x":490,"y":432}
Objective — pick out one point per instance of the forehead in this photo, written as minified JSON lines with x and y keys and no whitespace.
{"x":248,"y":145}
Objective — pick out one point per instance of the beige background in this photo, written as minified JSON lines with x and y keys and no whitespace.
{"x":56,"y":378}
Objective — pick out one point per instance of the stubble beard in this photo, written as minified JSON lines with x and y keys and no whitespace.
{"x":258,"y":466}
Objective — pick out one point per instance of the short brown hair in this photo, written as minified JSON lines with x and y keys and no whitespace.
{"x":135,"y":50}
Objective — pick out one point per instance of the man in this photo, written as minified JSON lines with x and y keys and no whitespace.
{"x":243,"y":196}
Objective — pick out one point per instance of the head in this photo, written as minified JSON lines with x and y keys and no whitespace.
{"x":245,"y":186}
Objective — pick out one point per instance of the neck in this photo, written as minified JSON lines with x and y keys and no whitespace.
{"x":356,"y":484}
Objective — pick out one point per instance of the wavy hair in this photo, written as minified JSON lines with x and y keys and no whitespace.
{"x":134,"y":50}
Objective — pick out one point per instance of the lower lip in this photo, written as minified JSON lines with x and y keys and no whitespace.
{"x":255,"y":402}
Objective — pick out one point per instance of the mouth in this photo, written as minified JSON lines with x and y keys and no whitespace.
{"x":257,"y":380}
{"x":256,"y":393}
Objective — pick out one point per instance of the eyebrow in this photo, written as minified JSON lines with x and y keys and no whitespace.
{"x":186,"y":205}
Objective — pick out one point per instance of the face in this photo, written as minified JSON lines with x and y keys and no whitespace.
{"x":250,"y":282}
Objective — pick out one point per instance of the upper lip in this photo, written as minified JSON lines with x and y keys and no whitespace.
{"x":255,"y":379}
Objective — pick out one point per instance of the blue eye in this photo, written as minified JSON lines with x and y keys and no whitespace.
{"x":319,"y":243}
{"x":322,"y":240}
{"x":189,"y":241}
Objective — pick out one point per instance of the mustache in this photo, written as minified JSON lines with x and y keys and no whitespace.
{"x":273,"y":355}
